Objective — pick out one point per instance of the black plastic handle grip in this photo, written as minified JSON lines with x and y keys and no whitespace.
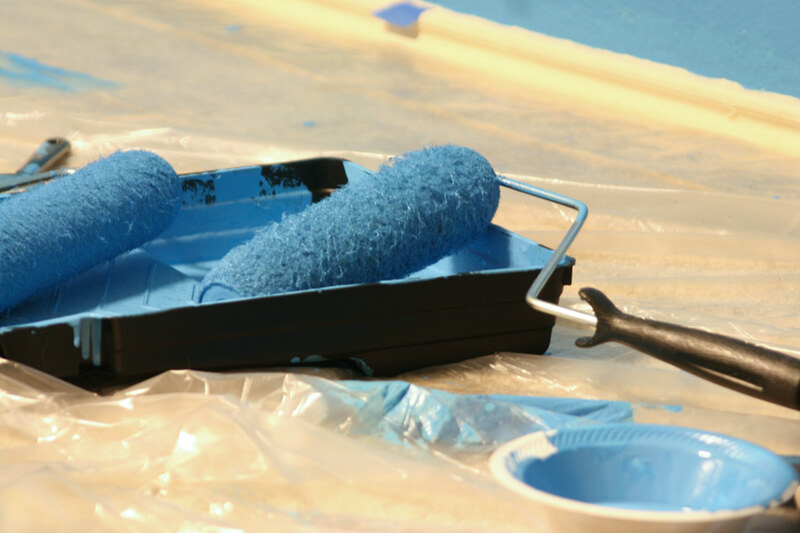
{"x":732,"y":363}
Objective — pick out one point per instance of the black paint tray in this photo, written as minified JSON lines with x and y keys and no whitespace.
{"x":135,"y":316}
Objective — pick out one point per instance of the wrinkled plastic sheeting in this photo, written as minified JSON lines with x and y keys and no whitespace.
{"x":683,"y":226}
{"x":193,"y":451}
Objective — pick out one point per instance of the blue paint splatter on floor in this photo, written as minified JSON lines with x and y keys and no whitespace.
{"x":19,"y":70}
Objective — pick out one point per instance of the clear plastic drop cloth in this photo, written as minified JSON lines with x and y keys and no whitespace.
{"x":684,"y":226}
{"x":194,"y":451}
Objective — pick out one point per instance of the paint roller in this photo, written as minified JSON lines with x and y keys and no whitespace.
{"x":427,"y":203}
{"x":59,"y":229}
{"x":420,"y":207}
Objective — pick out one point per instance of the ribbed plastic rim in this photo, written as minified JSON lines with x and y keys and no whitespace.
{"x":542,"y":444}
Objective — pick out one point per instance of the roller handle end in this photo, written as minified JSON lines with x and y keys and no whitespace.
{"x":754,"y":370}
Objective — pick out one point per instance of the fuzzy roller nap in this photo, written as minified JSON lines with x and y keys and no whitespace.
{"x":419,"y":208}
{"x":59,"y":229}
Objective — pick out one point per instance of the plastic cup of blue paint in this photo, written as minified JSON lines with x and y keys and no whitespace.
{"x":636,"y":477}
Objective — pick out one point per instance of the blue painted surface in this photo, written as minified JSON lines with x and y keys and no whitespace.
{"x":19,"y":70}
{"x":654,"y":468}
{"x":754,"y":43}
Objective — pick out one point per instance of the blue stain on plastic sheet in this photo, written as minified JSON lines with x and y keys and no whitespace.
{"x":407,"y":414}
{"x":24,"y":71}
{"x":660,"y":406}
{"x":400,"y":14}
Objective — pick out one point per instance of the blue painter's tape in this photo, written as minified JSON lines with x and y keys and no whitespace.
{"x":20,"y":70}
{"x":400,"y":13}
